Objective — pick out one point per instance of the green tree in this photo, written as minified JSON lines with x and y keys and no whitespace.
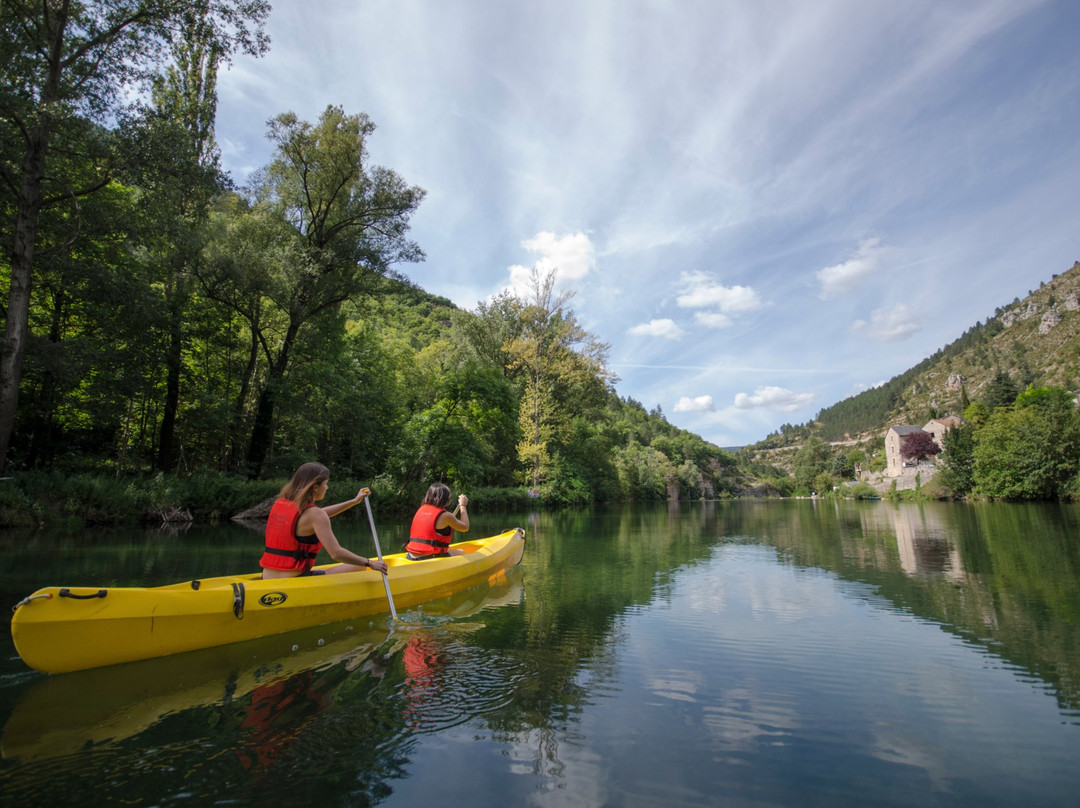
{"x":824,"y":483}
{"x":813,"y":458}
{"x":1029,"y":452}
{"x":240,"y":258}
{"x":65,"y":63}
{"x":1001,"y":391}
{"x":1049,"y":398}
{"x":563,"y":367}
{"x":486,"y":333}
{"x":644,"y":473}
{"x":340,"y":226}
{"x":976,"y":413}
{"x":185,"y":99}
{"x":958,"y":460}
{"x":83,"y":384}
{"x":461,"y":422}
{"x":588,"y":456}
{"x":842,"y":466}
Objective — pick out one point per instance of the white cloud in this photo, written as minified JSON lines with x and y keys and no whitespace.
{"x":697,"y":404}
{"x":657,"y":328}
{"x":571,"y":256}
{"x":845,"y":277}
{"x":713,"y":319}
{"x":777,"y":399}
{"x":699,"y":290}
{"x":887,"y":326}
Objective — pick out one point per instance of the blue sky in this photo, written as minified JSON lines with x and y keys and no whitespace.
{"x":762,"y":206}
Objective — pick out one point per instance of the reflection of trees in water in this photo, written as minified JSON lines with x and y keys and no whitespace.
{"x":564,"y":638}
{"x":1001,"y":575}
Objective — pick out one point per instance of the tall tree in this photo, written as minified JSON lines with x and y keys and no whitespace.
{"x":809,"y":462}
{"x":185,"y":95}
{"x":958,"y":461}
{"x":343,"y":226}
{"x":564,"y":372}
{"x":1001,"y":391}
{"x":63,"y":61}
{"x":236,"y":264}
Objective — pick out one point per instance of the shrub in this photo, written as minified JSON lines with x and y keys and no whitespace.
{"x":860,"y":491}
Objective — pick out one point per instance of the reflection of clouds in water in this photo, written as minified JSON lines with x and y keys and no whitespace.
{"x":678,"y":685}
{"x":578,"y":778}
{"x":891,"y":747}
{"x":790,"y":597}
{"x":742,"y":718}
{"x":749,"y":577}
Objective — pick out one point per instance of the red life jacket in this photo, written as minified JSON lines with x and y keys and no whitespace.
{"x":284,"y":549}
{"x":424,"y":539}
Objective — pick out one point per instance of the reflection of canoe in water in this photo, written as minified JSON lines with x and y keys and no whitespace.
{"x":89,"y":709}
{"x":60,"y":629}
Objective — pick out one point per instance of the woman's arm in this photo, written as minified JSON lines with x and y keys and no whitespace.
{"x":446,"y":519}
{"x":319,"y":519}
{"x":361,"y":495}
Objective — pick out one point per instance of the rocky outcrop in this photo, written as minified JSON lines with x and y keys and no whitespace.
{"x":1049,"y":320}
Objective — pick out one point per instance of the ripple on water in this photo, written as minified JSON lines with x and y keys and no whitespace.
{"x":448,"y":681}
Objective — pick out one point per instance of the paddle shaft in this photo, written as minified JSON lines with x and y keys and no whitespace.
{"x":378,"y":551}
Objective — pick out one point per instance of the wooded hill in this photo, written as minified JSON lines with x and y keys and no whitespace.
{"x":1034,"y":341}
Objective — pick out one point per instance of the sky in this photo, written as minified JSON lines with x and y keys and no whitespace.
{"x":762,"y":206}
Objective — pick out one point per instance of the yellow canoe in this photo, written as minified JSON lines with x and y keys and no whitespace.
{"x":61,"y":715}
{"x":61,"y":629}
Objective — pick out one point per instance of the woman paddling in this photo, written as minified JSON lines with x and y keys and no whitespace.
{"x":433,"y":526}
{"x":297,"y":529}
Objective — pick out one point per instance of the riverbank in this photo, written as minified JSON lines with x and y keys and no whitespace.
{"x":38,"y":499}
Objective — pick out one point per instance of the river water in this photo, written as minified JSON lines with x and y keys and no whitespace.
{"x":779,"y":653}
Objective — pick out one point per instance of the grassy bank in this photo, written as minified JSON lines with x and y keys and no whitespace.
{"x":54,"y":499}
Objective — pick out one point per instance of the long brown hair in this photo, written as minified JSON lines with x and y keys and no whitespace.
{"x":300,"y":489}
{"x":437,"y":495}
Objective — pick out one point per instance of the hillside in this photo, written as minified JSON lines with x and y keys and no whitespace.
{"x":1034,"y":341}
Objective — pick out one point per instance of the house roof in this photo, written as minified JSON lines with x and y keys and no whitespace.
{"x":906,"y":429}
{"x":948,"y":420}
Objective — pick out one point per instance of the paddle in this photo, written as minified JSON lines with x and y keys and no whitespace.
{"x":375,"y":536}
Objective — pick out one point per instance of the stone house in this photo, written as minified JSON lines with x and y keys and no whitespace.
{"x":894,"y":461}
{"x":937,"y":427}
{"x":894,"y":437}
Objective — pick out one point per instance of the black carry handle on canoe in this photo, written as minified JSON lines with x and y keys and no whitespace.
{"x":67,"y":593}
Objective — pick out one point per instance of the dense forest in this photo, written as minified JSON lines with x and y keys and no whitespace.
{"x":164,"y":325}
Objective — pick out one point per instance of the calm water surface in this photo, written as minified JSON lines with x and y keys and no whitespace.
{"x":764,"y":654}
